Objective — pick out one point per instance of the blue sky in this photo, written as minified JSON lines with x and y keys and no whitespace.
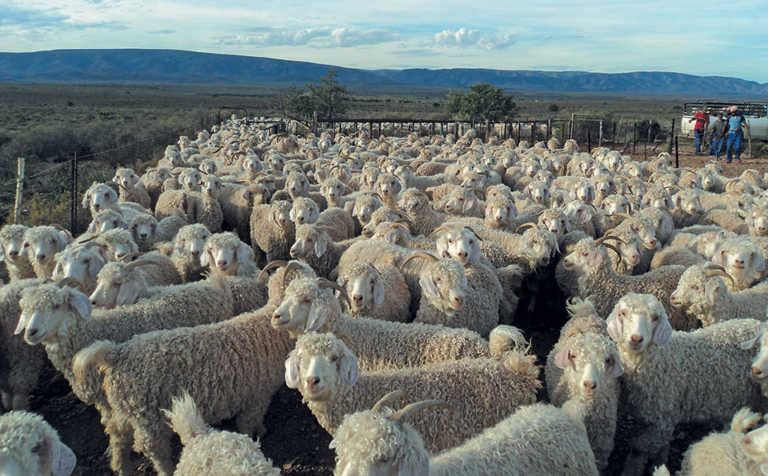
{"x":697,"y":37}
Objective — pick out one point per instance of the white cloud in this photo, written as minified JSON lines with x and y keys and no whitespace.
{"x":464,"y":37}
{"x":321,"y":37}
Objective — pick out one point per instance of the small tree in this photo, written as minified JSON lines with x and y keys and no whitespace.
{"x":483,"y":102}
{"x":329,"y":97}
{"x":299,"y":103}
{"x":554,"y":107}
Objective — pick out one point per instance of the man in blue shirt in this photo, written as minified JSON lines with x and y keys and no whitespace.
{"x":736,"y":122}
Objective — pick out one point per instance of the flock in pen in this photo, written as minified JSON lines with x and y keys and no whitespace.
{"x":381,"y":278}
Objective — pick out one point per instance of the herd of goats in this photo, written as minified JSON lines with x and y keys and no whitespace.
{"x":381,"y":278}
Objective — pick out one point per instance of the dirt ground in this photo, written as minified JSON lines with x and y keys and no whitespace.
{"x":296,"y":443}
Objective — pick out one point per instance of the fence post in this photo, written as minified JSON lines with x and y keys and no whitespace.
{"x":533,"y":133}
{"x":589,"y":141}
{"x":600,"y":139}
{"x":573,"y":124}
{"x":677,"y":155}
{"x":549,"y":129}
{"x":19,"y":187}
{"x":671,"y":135}
{"x":634,"y":136}
{"x":73,"y":196}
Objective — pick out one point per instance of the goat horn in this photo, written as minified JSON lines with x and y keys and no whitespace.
{"x":611,"y":247}
{"x":526,"y":225}
{"x":473,"y":232}
{"x":289,"y":267}
{"x":409,"y":409}
{"x":325,"y":283}
{"x":717,"y":270}
{"x":269,"y":267}
{"x":610,"y":237}
{"x":419,"y":254}
{"x":141,"y":262}
{"x":393,"y":395}
{"x":437,"y":230}
{"x":71,"y":282}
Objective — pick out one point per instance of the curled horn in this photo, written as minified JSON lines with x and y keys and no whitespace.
{"x":324,"y":283}
{"x":71,"y":282}
{"x":289,"y":267}
{"x":407,"y":410}
{"x":611,"y":247}
{"x":717,"y":270}
{"x":526,"y":225}
{"x":419,"y":254}
{"x":437,"y":230}
{"x":269,"y":267}
{"x":393,"y":395}
{"x":141,"y":262}
{"x":467,"y":227}
{"x":397,"y":224}
{"x":610,"y":237}
{"x":129,"y":257}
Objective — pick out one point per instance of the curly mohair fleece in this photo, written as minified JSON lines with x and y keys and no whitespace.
{"x":677,"y":382}
{"x":209,"y":451}
{"x":380,"y":345}
{"x":536,"y":440}
{"x":592,"y":275}
{"x":29,"y":441}
{"x":21,"y":364}
{"x":481,"y":392}
{"x":272,"y":230}
{"x":18,"y":267}
{"x":585,"y":336}
{"x":723,"y":453}
{"x":179,"y":306}
{"x":231,"y":369}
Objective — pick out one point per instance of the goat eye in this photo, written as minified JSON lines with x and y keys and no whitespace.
{"x":571,"y":356}
{"x":334,"y":358}
{"x":450,"y":241}
{"x":438,"y":279}
{"x":37,"y":447}
{"x":306,"y":301}
{"x":655,"y":318}
{"x":609,"y":362}
{"x":471,"y":242}
{"x":694,"y":287}
{"x":26,"y":245}
{"x":116,"y":284}
{"x":584,"y":254}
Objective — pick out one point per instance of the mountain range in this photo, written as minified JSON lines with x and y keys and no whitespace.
{"x":150,"y":66}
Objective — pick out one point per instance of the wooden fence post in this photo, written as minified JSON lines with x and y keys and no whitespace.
{"x":19,"y":188}
{"x":671,"y":135}
{"x":677,"y":155}
{"x":600,"y":139}
{"x":573,"y":125}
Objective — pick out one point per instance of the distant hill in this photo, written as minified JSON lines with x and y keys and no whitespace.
{"x":187,"y":67}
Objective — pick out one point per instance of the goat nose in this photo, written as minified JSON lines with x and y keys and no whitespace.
{"x":221,"y":263}
{"x":459,"y":300}
{"x":14,"y":254}
{"x":195,"y":252}
{"x":462,"y":254}
{"x":276,"y":316}
{"x":143,"y":236}
{"x":357,"y":298}
{"x":756,"y":371}
{"x":499,"y":218}
{"x":747,"y":440}
{"x":312,"y":381}
{"x":300,"y":220}
{"x":589,"y":385}
{"x":652,"y":243}
{"x":636,"y":338}
{"x":41,"y":256}
{"x":32,"y":332}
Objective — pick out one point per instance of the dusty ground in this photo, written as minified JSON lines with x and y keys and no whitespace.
{"x":295,"y":442}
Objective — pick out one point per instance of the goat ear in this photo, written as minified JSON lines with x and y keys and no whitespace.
{"x":748,"y":344}
{"x":292,"y":214}
{"x":719,"y":258}
{"x":758,"y":262}
{"x":321,"y":244}
{"x":314,"y":215}
{"x":22,"y":324}
{"x":96,"y":263}
{"x":378,"y":292}
{"x":61,"y":240}
{"x":128,"y":293}
{"x":244,"y":253}
{"x":561,"y":358}
{"x":713,"y":291}
{"x":292,"y":371}
{"x":62,"y":459}
{"x":348,"y":369}
{"x":115,"y":179}
{"x":618,"y":369}
{"x":86,"y":200}
{"x":663,"y":330}
{"x":318,"y":315}
{"x":80,"y":303}
{"x":614,"y":325}
{"x":205,"y":258}
{"x":398,"y":186}
{"x":92,"y":227}
{"x":428,"y":286}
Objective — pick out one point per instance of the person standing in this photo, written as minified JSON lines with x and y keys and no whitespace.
{"x":700,"y":128}
{"x":718,"y":136}
{"x":736,"y":122}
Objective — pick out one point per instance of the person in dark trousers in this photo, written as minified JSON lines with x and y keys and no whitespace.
{"x":736,"y":123}
{"x":700,"y":128}
{"x":718,"y":136}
